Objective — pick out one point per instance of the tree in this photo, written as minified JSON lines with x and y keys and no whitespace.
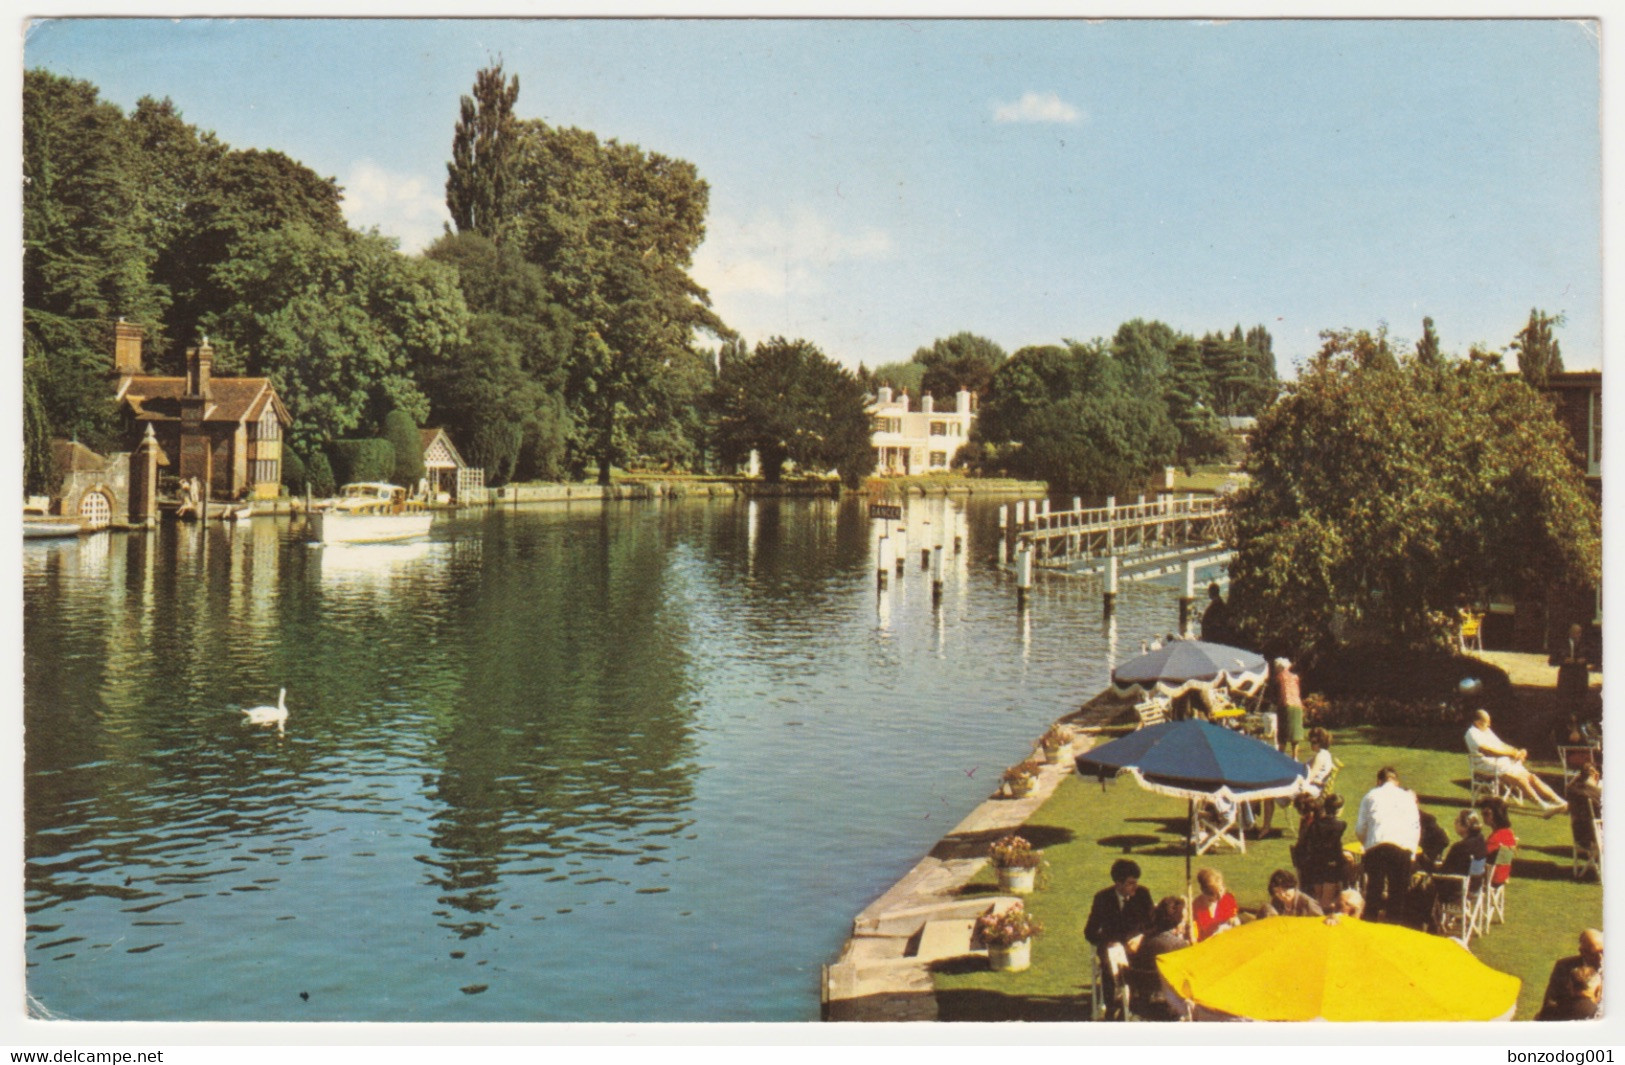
{"x":962,"y":361}
{"x":479,"y":179}
{"x":899,"y":377}
{"x":501,"y":392}
{"x":402,"y":433}
{"x":1427,"y":349}
{"x":1071,"y":419}
{"x":614,"y":229}
{"x":337,"y":322}
{"x":319,"y":476}
{"x":1539,"y":354}
{"x":1202,"y":434}
{"x":1383,"y":494}
{"x":790,"y":402}
{"x":1145,"y":351}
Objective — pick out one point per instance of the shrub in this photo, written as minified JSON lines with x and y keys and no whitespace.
{"x":319,"y":476}
{"x":369,"y":459}
{"x":402,"y":433}
{"x":293,"y":472}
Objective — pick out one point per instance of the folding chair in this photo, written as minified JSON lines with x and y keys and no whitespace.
{"x":1574,"y":759}
{"x":1151,"y":712}
{"x":1457,"y":909}
{"x":1097,"y":997}
{"x":1495,"y":895}
{"x":1470,"y":635}
{"x":1215,"y":824}
{"x":1588,"y":858}
{"x":1487,"y":783}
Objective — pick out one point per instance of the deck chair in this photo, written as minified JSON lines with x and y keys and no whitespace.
{"x":1588,"y":857}
{"x":1574,"y":758}
{"x":1457,"y":908}
{"x":1495,"y":895}
{"x":1470,"y":635}
{"x":1097,"y":997}
{"x":1215,"y":824}
{"x":1151,"y":712}
{"x":1487,"y":783}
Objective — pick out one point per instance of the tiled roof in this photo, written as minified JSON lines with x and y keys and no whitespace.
{"x":70,"y":456}
{"x":231,"y":399}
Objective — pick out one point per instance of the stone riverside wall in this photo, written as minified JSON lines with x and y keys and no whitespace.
{"x":883,"y":972}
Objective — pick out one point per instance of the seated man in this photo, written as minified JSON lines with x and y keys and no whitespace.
{"x":1559,"y":986}
{"x":1119,"y":916}
{"x":1145,"y":982}
{"x":1488,"y":754}
{"x":1286,"y":900}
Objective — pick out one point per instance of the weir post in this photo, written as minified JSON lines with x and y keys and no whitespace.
{"x":936,"y":575}
{"x":883,"y":550}
{"x":1187,"y":599}
{"x":1024,"y":575}
{"x":1110,"y":596}
{"x":900,"y":550}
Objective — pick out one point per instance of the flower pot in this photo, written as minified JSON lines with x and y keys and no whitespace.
{"x":1057,"y":755}
{"x":1017,"y":881}
{"x":1011,"y":959}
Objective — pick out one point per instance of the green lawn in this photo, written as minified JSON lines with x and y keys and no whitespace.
{"x":1085,"y":826}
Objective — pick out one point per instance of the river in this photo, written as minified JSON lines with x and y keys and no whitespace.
{"x":598,"y":762}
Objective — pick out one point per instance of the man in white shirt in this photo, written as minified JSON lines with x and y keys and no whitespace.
{"x":1390,"y":828}
{"x":1489,"y":753}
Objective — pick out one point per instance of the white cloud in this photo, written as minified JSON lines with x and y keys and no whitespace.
{"x":400,"y":205}
{"x":775,"y":254}
{"x":1037,"y":107}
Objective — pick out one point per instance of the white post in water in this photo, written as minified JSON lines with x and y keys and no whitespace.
{"x":1111,"y":535}
{"x":883,"y":550}
{"x":1110,"y":596}
{"x":1024,"y":574}
{"x":1188,"y":598}
{"x":936,"y":574}
{"x":901,"y":549}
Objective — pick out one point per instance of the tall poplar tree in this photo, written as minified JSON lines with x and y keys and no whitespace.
{"x":480,"y":175}
{"x":1539,"y":355}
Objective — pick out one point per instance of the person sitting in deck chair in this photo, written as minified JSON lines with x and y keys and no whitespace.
{"x":1489,"y":754}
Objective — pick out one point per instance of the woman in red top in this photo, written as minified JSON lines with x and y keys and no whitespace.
{"x":1500,"y":824}
{"x":1215,"y":908}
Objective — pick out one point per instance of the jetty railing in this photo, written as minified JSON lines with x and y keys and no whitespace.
{"x":1061,"y":538}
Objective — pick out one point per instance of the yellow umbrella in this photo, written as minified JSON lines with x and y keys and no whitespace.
{"x":1338,"y":969}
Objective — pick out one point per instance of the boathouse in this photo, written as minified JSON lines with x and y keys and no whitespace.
{"x":909,"y":441}
{"x":225,"y":431}
{"x":443,"y":467}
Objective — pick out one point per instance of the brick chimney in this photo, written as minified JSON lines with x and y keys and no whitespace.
{"x":126,"y":348}
{"x":199,"y":362}
{"x":926,"y":403}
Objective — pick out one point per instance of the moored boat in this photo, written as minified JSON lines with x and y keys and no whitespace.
{"x":370,"y":513}
{"x":41,"y":528}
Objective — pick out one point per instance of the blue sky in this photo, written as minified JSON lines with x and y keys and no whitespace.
{"x":876,"y":185}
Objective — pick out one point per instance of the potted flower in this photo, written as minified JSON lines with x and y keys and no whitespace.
{"x":1055,"y":743}
{"x":1016,"y":862}
{"x":1008,"y":937}
{"x":1019,"y":780}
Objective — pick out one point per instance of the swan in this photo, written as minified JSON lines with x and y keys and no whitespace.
{"x":270,"y":715}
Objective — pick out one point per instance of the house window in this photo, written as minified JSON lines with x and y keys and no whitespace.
{"x":265,"y":449}
{"x":939,"y":460}
{"x":888,"y":425}
{"x":939,"y":428}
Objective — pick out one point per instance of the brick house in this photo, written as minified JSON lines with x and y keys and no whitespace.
{"x":225,"y":431}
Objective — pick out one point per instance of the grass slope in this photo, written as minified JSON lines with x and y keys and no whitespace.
{"x":1084,"y":827}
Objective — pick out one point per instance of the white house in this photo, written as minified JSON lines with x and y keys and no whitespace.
{"x":918,"y":441}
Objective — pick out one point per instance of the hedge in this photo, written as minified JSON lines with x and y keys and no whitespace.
{"x":370,"y":459}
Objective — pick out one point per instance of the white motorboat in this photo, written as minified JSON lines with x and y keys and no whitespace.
{"x":370,"y":513}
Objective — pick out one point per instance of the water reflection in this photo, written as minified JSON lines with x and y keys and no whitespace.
{"x":529,"y":762}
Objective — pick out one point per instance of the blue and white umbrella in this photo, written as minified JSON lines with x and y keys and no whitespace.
{"x":1179,"y":666}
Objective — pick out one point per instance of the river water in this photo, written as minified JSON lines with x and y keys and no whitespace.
{"x":598,"y":762}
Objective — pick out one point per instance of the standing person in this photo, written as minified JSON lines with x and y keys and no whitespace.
{"x":1216,"y":618}
{"x":1119,"y":916}
{"x":1488,"y":753}
{"x":1389,"y":827}
{"x":1319,"y":852}
{"x":1288,"y":694}
{"x":1573,"y":664}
